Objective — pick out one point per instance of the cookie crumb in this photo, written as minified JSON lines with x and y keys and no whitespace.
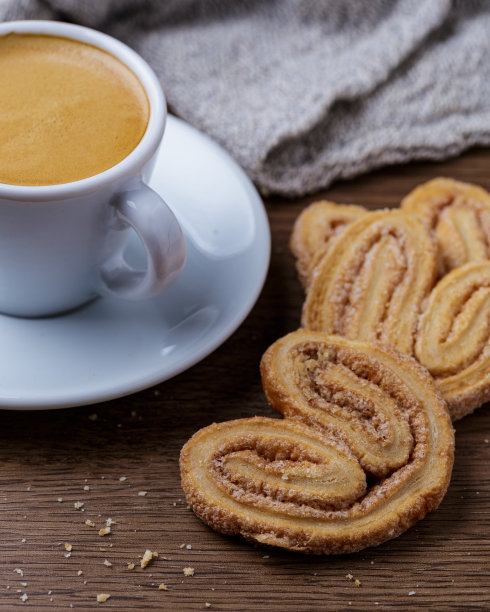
{"x":17,"y":570}
{"x":109,"y":522}
{"x":123,"y":478}
{"x":357,"y":583}
{"x":349,"y":576}
{"x":104,"y":531}
{"x":107,"y":563}
{"x":79,"y":573}
{"x":142,"y":493}
{"x":102,"y":597}
{"x":86,"y":488}
{"x":68,"y":547}
{"x":130,"y":566}
{"x":188,"y":571}
{"x":207,"y":605}
{"x":410,"y":593}
{"x":189,"y":546}
{"x":60,"y":499}
{"x":24,"y":597}
{"x":162,"y":587}
{"x":89,"y":523}
{"x":148,"y":557}
{"x":78,"y":505}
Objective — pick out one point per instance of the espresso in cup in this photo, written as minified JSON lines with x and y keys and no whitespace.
{"x":69,"y":110}
{"x":82,"y":117}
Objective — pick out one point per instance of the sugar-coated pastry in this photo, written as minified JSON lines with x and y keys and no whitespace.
{"x":458,"y":214}
{"x":316,"y":229}
{"x":372,"y":282}
{"x":366,"y":452}
{"x":453,"y":342}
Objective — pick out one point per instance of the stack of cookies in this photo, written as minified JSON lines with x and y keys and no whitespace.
{"x":395,"y":342}
{"x":417,"y":278}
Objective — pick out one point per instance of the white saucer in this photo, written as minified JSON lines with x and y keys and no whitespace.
{"x":112,"y":347}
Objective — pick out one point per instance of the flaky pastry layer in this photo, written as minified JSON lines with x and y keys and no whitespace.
{"x":459,"y":216}
{"x":316,"y":229}
{"x":453,"y":341}
{"x":371,"y":284}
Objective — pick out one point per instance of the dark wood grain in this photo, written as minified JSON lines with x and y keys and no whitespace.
{"x":444,"y":560}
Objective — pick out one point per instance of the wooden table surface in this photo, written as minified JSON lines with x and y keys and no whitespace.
{"x":104,"y":455}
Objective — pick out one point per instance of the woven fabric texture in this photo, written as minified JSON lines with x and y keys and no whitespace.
{"x":302,"y":92}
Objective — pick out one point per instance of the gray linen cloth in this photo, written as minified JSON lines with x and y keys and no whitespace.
{"x":302,"y":92}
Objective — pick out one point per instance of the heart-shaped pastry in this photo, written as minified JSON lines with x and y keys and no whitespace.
{"x":366,"y":451}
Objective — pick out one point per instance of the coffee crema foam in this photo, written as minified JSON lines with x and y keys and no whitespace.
{"x":68,"y":110}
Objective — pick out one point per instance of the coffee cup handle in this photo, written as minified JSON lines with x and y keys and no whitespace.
{"x":159,"y":231}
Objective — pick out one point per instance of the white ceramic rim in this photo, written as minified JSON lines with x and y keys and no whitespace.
{"x":130,"y":165}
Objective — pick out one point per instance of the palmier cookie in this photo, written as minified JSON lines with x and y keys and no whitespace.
{"x":458,"y":214}
{"x":367,"y":452}
{"x":373,"y":281}
{"x":454,"y":337}
{"x":314,"y":231}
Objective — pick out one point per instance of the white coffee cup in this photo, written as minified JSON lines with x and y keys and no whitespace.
{"x":62,"y":245}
